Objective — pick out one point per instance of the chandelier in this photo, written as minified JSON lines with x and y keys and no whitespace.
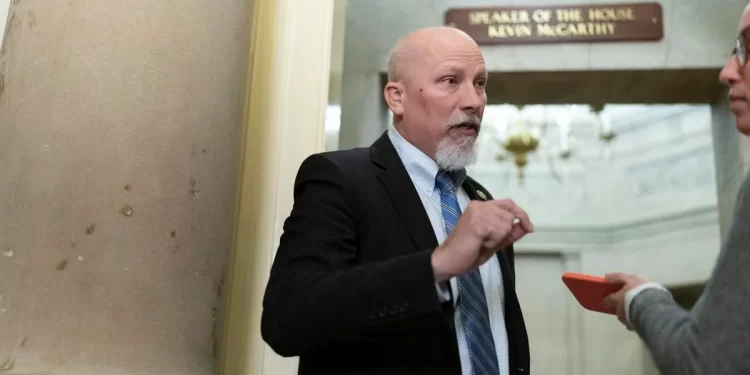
{"x":553,"y":131}
{"x":519,"y":144}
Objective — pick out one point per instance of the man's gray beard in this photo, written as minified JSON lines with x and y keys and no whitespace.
{"x":455,"y":155}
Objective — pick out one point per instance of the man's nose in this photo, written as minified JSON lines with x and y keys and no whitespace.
{"x":731,"y":71}
{"x":472,"y":97}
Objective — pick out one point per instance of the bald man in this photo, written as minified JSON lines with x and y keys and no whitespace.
{"x":393,"y":260}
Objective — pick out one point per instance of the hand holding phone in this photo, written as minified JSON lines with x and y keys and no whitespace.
{"x":590,"y":291}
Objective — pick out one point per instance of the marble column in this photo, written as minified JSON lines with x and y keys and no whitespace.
{"x":119,"y":144}
{"x":364,"y":113}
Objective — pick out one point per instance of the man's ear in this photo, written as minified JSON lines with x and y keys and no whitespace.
{"x":394,"y":96}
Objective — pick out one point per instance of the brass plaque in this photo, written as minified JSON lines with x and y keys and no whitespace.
{"x":560,"y":24}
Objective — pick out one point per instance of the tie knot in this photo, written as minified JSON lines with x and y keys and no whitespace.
{"x":444,"y":181}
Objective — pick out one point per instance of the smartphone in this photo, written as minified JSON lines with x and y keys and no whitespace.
{"x":590,"y":291}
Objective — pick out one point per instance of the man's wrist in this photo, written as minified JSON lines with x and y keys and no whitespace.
{"x":631,"y":294}
{"x":438,"y":270}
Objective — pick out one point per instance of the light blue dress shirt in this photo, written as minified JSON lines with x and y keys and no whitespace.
{"x":422,"y":170}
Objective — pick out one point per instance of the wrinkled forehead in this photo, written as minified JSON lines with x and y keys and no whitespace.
{"x":466,"y":55}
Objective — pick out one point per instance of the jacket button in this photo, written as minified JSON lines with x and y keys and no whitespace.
{"x":383,"y":312}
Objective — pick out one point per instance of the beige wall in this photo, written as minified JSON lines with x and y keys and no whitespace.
{"x":119,"y":141}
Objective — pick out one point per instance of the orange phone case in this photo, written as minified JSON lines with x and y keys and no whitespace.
{"x":590,"y":291}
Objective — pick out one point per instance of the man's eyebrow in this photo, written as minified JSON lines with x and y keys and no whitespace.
{"x":452,"y":68}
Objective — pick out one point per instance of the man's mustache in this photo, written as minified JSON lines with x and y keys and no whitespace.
{"x":465,"y":119}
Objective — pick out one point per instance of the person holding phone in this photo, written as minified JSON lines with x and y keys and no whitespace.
{"x":714,"y":337}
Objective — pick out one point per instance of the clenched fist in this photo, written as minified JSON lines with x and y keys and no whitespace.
{"x":482,"y":230}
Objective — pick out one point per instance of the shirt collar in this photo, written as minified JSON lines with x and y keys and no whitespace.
{"x":421,"y":168}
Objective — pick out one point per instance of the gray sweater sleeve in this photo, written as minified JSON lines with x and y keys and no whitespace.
{"x":713,"y":338}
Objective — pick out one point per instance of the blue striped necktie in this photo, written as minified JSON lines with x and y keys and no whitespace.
{"x":471,"y":300}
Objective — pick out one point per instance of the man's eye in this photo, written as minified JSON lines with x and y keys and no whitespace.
{"x":481,"y":83}
{"x":450,"y":80}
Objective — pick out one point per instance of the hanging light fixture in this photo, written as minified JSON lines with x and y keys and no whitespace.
{"x":521,"y":133}
{"x":520,"y":142}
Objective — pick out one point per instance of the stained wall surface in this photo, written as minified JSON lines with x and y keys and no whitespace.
{"x":119,"y":128}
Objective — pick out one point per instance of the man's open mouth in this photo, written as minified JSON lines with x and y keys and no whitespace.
{"x":467,"y":126}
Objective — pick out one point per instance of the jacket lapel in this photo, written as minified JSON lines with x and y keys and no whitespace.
{"x":474,"y":193}
{"x":402,"y":193}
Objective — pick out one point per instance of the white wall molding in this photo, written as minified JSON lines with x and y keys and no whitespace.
{"x":285,"y":123}
{"x":610,"y":238}
{"x":4,"y":8}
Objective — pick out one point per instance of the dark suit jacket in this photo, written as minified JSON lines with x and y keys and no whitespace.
{"x":352,"y":289}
